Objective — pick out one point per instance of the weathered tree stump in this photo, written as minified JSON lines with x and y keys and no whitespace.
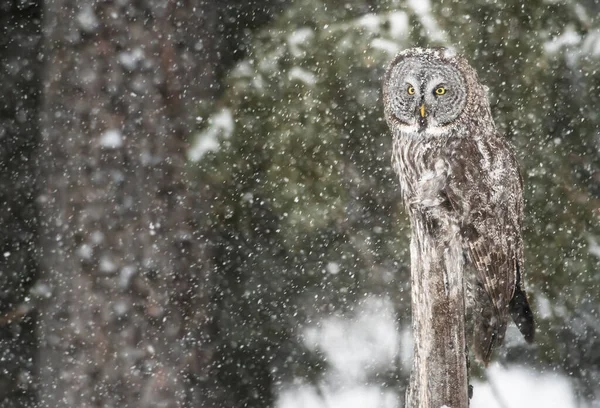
{"x":439,"y":374}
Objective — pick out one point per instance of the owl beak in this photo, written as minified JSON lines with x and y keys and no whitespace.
{"x":422,"y":110}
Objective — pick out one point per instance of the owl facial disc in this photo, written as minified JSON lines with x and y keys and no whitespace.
{"x":425,"y":94}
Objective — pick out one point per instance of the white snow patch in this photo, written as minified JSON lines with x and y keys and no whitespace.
{"x":258,"y":82}
{"x":591,"y":43}
{"x":42,"y":290}
{"x":121,"y":308}
{"x":107,"y":265}
{"x":111,"y":139}
{"x":221,"y":125}
{"x":582,"y":14}
{"x":127,"y":272}
{"x":593,"y":246}
{"x":245,"y":70}
{"x":359,"y":396}
{"x":224,"y":120}
{"x":298,"y":38}
{"x":242,"y":70}
{"x":269,"y":64}
{"x":399,"y":26}
{"x":568,"y":38}
{"x":205,"y":144}
{"x":385,"y":45}
{"x":522,"y":388}
{"x":358,"y":346}
{"x":248,"y":197}
{"x":333,"y":268}
{"x":544,"y":308}
{"x":371,"y":22}
{"x":355,"y":348}
{"x":302,"y":75}
{"x":85,"y":251}
{"x":97,"y":237}
{"x":87,"y":19}
{"x":130,"y":59}
{"x":422,"y":8}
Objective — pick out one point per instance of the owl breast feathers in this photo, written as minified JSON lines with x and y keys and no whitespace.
{"x":453,"y":165}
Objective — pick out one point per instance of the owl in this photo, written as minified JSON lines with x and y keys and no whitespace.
{"x":453,"y":165}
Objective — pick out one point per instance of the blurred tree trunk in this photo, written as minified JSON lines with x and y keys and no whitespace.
{"x":19,"y":87}
{"x":124,"y":272}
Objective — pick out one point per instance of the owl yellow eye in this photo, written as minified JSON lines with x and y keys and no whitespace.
{"x":440,"y":91}
{"x":411,"y":90}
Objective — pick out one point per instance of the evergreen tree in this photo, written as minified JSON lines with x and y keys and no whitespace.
{"x":304,"y":208}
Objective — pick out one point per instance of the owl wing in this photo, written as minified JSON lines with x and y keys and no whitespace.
{"x":486,"y":190}
{"x":494,"y":257}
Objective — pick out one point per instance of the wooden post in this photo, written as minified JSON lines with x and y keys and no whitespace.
{"x":439,"y":375}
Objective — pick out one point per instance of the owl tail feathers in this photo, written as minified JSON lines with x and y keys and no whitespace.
{"x":522,"y":315}
{"x":489,"y":330}
{"x":488,"y":337}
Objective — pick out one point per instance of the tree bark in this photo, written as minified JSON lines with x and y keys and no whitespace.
{"x":123,"y":270}
{"x":439,"y":375}
{"x":19,"y":105}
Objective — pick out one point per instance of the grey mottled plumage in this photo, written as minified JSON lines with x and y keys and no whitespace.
{"x":455,"y":167}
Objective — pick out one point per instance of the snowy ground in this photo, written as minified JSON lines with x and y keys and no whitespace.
{"x":358,"y":348}
{"x":518,"y":387}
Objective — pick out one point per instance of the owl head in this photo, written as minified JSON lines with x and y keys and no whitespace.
{"x":429,"y":89}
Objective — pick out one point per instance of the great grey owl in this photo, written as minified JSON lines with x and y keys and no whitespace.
{"x":450,"y":159}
